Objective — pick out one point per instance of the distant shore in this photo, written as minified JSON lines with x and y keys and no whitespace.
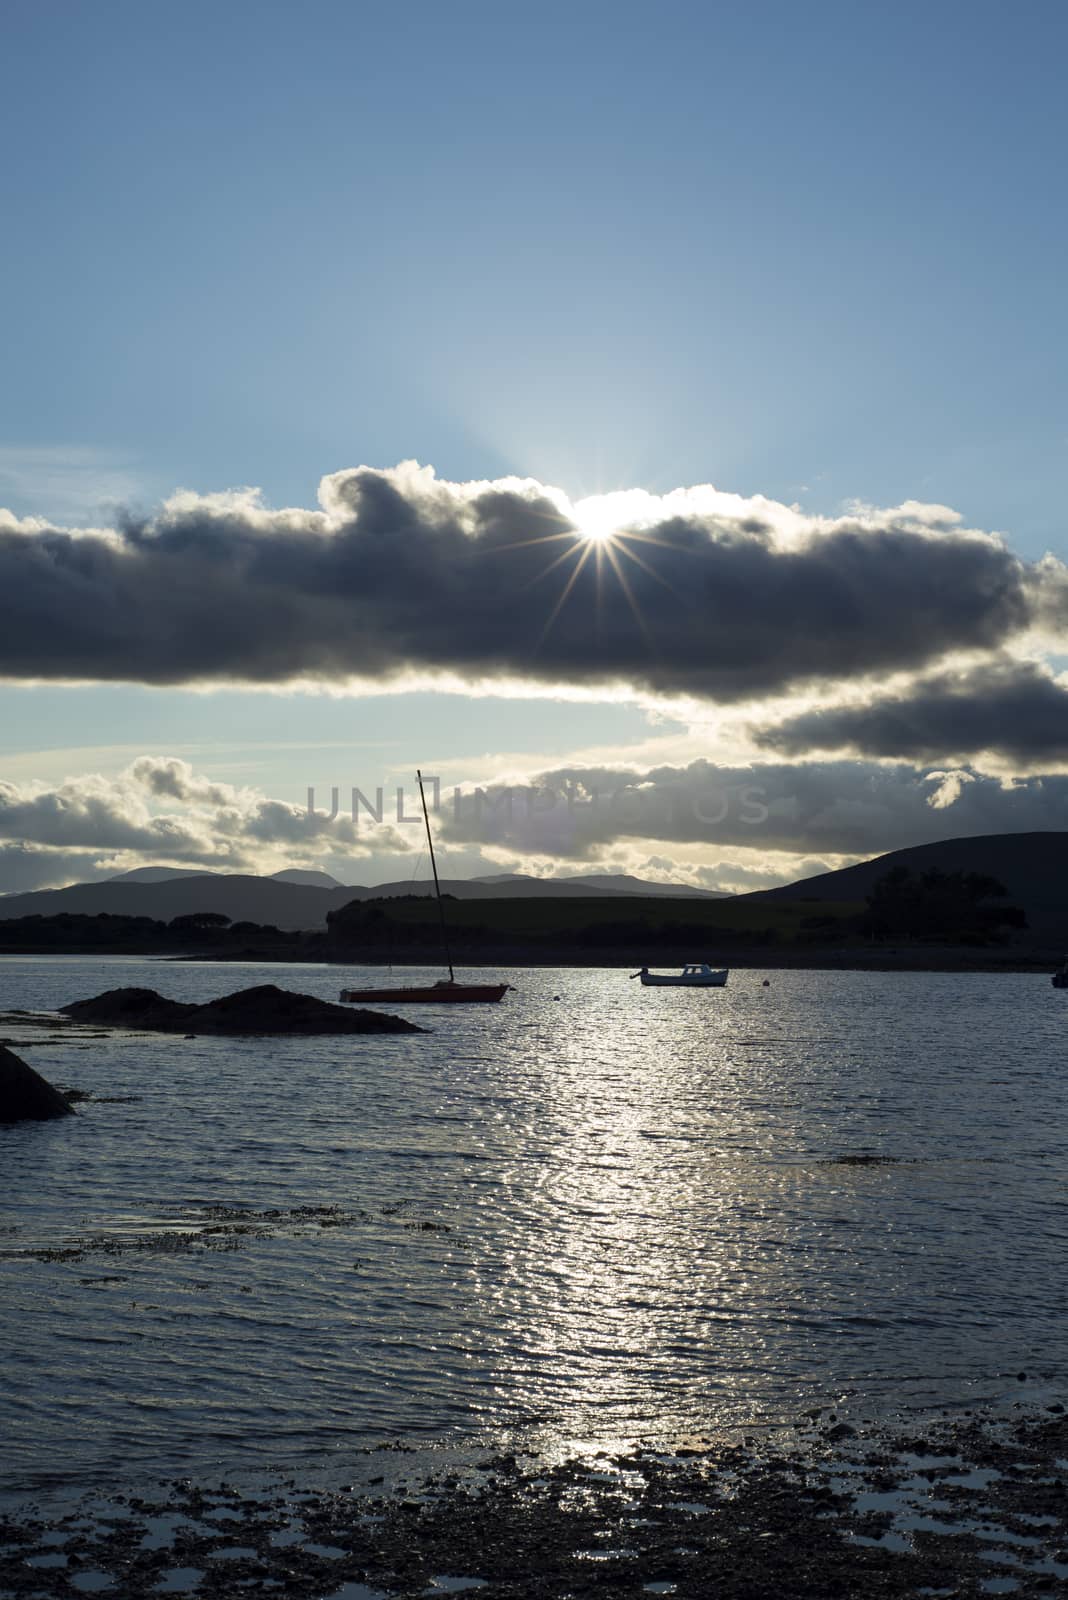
{"x":876,"y":959}
{"x":812,"y":958}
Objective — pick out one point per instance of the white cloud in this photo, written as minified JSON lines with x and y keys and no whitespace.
{"x":94,"y":825}
{"x":950,"y":788}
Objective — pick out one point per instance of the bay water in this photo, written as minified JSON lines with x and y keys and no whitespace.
{"x":592,"y":1213}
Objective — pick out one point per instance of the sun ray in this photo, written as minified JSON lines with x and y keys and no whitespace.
{"x":620,"y":545}
{"x":650,"y":538}
{"x":599,"y":526}
{"x":577,"y":549}
{"x":559,"y":606}
{"x":613,"y":552}
{"x":521,"y":544}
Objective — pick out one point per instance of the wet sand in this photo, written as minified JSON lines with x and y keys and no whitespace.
{"x":966,"y":1506}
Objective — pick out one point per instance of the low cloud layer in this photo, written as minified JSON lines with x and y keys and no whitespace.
{"x":1014,"y":710}
{"x":89,"y":827}
{"x":399,"y":574}
{"x":840,"y":808}
{"x":714,"y":825}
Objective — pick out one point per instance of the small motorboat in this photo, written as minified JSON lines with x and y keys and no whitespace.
{"x":694,"y":975}
{"x":1059,"y":979}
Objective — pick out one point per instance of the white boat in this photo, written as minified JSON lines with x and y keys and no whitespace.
{"x":694,"y":975}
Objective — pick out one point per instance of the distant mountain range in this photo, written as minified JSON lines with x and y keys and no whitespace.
{"x":296,"y":899}
{"x":311,"y":879}
{"x":1032,"y":866}
{"x":585,"y":884}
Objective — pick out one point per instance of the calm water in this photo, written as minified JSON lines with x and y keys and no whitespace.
{"x":615,"y":1214}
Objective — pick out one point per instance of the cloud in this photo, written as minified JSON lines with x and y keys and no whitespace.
{"x":839,"y":808}
{"x":400,"y":574}
{"x":1013,"y":709}
{"x":736,"y":876}
{"x":22,"y":868}
{"x":169,"y":778}
{"x":950,"y":788}
{"x":707,"y":824}
{"x":96,"y":813}
{"x":89,"y":826}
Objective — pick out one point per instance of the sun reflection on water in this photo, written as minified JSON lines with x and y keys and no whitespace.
{"x":619,"y":1180}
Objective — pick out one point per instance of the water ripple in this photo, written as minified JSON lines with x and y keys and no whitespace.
{"x":655,"y":1211}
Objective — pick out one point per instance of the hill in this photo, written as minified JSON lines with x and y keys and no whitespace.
{"x":315,"y":880}
{"x":280,"y":900}
{"x":159,"y":874}
{"x":1032,"y":866}
{"x":526,"y":930}
{"x":241,"y":898}
{"x":517,"y":911}
{"x":514,"y":883}
{"x":597,"y":883}
{"x":310,"y":878}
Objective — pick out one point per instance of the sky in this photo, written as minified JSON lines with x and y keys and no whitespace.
{"x":649,"y":420}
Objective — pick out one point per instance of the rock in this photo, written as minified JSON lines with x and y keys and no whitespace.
{"x":268,"y":1009}
{"x":860,"y":1161}
{"x":131,"y":1008}
{"x":265,"y":1009}
{"x":24,"y":1095}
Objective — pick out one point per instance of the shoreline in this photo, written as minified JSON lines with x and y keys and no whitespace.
{"x":1039,"y":962}
{"x":964,"y":1504}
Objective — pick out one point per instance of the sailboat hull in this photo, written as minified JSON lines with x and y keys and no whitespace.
{"x":434,"y":994}
{"x":447,"y":991}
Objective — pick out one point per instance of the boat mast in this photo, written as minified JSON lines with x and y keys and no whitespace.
{"x":437,"y":886}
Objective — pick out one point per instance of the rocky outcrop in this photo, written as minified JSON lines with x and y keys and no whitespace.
{"x":265,"y":1009}
{"x":132,"y":1008}
{"x":24,"y":1095}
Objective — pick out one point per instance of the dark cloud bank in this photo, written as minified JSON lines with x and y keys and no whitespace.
{"x":1015,"y":709}
{"x":400,"y":573}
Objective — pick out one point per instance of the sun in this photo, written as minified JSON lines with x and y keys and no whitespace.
{"x":595,"y":520}
{"x":598,"y":536}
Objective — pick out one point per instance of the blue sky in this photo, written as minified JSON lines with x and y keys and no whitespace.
{"x":814,"y":253}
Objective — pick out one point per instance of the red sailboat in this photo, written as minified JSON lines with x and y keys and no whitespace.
{"x":447,"y":991}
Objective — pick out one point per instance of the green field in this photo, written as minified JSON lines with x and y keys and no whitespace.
{"x":613,"y":920}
